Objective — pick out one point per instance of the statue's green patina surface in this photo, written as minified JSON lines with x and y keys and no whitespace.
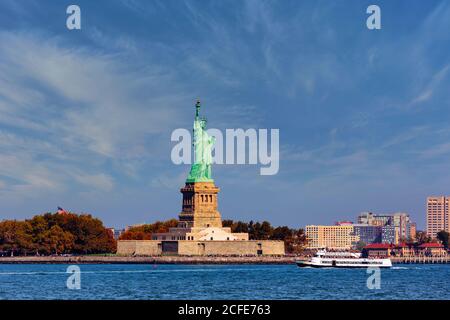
{"x":203,"y":143}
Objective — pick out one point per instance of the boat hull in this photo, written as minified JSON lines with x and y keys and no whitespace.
{"x":307,"y":264}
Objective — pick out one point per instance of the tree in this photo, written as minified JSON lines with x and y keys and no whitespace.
{"x":91,"y":236}
{"x":240,"y":227}
{"x":422,"y":237}
{"x":443,"y":236}
{"x":360,"y":245}
{"x":54,"y":233}
{"x":15,"y":237}
{"x":282,"y":233}
{"x":265,"y":231}
{"x":135,"y":235}
{"x":56,"y":240}
{"x":227,"y":223}
{"x":297,"y":242}
{"x":254,"y":231}
{"x":145,"y":231}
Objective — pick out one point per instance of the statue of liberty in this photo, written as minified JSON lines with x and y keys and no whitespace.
{"x":203,"y":143}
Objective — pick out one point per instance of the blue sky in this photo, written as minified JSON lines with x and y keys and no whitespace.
{"x":86,"y":116}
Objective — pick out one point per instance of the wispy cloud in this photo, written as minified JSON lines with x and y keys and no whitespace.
{"x":90,"y":113}
{"x":84,"y":107}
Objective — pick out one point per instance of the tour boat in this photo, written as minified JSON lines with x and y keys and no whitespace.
{"x":324,"y":259}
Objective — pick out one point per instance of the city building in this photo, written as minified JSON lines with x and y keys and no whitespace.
{"x":413,"y":230}
{"x":199,"y":230}
{"x":331,"y":237}
{"x":344,"y":223}
{"x":438,"y":212}
{"x":378,"y":250}
{"x":370,"y":228}
{"x":367,"y":233}
{"x":389,"y":234}
{"x":372,"y":219}
{"x":402,"y":222}
{"x":404,"y":250}
{"x":382,"y":250}
{"x":116,"y":232}
{"x":432,"y":249}
{"x":395,"y":228}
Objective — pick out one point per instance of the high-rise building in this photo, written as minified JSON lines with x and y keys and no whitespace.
{"x":438,"y":215}
{"x":331,"y":237}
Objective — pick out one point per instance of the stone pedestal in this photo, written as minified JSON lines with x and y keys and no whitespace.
{"x":199,"y":209}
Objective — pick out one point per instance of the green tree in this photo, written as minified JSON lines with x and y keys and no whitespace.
{"x":282,"y":233}
{"x":360,"y":245}
{"x":227,"y":223}
{"x":297,"y":242}
{"x":422,"y":237}
{"x":443,"y":236}
{"x":265,"y":231}
{"x":240,"y":227}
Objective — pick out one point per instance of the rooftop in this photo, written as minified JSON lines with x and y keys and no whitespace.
{"x":379,"y":246}
{"x":431,"y":245}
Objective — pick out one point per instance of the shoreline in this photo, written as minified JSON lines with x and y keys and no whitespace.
{"x":274,"y":260}
{"x":147,"y":260}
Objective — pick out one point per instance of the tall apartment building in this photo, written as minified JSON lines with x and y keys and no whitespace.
{"x":332,"y":237}
{"x":438,"y":212}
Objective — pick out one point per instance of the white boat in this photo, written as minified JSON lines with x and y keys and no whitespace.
{"x":324,"y":259}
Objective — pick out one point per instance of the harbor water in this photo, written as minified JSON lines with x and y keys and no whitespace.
{"x":133,"y":281}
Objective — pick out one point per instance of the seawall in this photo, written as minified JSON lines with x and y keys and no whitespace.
{"x":148,"y":260}
{"x":190,"y":260}
{"x":421,"y":260}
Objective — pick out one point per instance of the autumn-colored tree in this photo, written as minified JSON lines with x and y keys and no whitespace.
{"x":145,"y":231}
{"x":56,"y":233}
{"x":16,"y":237}
{"x":135,"y":235}
{"x":56,"y":240}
